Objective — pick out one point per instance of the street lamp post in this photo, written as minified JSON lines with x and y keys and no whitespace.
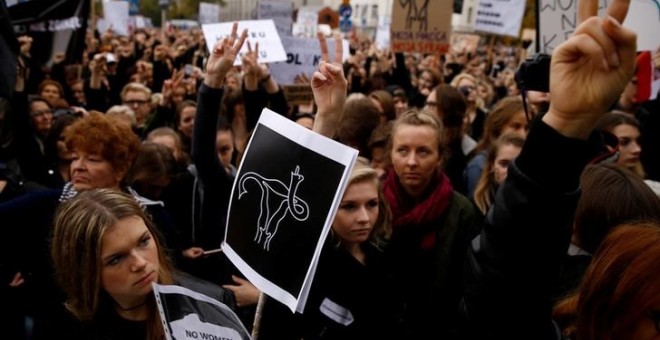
{"x":164,"y":4}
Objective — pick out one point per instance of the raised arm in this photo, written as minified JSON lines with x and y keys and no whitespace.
{"x":208,"y":108}
{"x":329,"y":86}
{"x":514,"y":263}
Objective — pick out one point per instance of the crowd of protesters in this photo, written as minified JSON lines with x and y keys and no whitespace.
{"x":462,"y":219}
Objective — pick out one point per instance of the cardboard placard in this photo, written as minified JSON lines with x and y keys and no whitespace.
{"x":421,"y":26}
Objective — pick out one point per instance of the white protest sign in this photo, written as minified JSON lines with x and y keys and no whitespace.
{"x":503,"y":17}
{"x":307,"y":22}
{"x":259,"y":31}
{"x":280,"y":11}
{"x":303,"y":57}
{"x":140,"y":22}
{"x":383,"y":32}
{"x":115,"y":15}
{"x":365,"y":13}
{"x":644,"y":18}
{"x":180,"y":309}
{"x":558,"y":20}
{"x":285,"y":196}
{"x":208,"y":13}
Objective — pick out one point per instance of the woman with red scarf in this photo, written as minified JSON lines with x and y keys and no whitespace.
{"x":433,"y":226}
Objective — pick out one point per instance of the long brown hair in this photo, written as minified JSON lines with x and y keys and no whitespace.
{"x":597,"y":213}
{"x":79,"y":226}
{"x":611,"y":120}
{"x":497,"y":119}
{"x":484,"y":194}
{"x":619,"y":286}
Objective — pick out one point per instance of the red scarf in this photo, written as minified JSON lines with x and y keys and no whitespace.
{"x":408,"y":214}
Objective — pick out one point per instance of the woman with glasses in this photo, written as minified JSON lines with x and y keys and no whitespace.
{"x":475,"y":117}
{"x":31,"y":134}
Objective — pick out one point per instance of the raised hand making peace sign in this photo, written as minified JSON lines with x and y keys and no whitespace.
{"x":590,"y":70}
{"x":329,"y":86}
{"x":222,"y":57}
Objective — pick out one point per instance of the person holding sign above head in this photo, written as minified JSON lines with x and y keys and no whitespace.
{"x":329,"y":87}
{"x":514,"y":263}
{"x":106,"y":255}
{"x":353,"y":295}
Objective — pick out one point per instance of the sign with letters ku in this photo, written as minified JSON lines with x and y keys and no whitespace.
{"x":259,"y":31}
{"x":422,"y":26}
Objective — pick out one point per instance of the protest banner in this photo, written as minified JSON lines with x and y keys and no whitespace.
{"x":422,"y":26}
{"x":464,"y":42}
{"x":383,"y":32}
{"x":187,"y":314}
{"x":306,"y":24}
{"x":502,"y":17}
{"x":283,"y":202}
{"x":9,"y":49}
{"x":365,"y":13}
{"x":54,"y":27}
{"x":300,"y":94}
{"x":529,"y":34}
{"x":302,"y":58}
{"x":259,"y":31}
{"x":558,"y":19}
{"x":280,"y":11}
{"x":115,"y":17}
{"x":209,"y":13}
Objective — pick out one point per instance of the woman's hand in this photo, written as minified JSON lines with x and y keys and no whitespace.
{"x":246,"y":293}
{"x":251,"y":68}
{"x":590,"y":70}
{"x":193,"y":252}
{"x":222,"y":58}
{"x":329,"y":86}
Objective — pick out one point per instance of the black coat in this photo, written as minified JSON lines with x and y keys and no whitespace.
{"x":514,"y":264}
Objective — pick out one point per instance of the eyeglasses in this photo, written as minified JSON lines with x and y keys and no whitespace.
{"x":135,"y":102}
{"x":40,"y":113}
{"x":466,"y":88}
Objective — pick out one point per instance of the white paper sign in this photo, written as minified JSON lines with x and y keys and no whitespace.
{"x":383,"y":32}
{"x":283,"y":202}
{"x":303,"y":57}
{"x":261,"y":31}
{"x":503,"y":17}
{"x":558,"y":19}
{"x":116,"y":17}
{"x":365,"y":13}
{"x":306,"y":24}
{"x":209,"y":13}
{"x":280,"y":11}
{"x":180,"y":309}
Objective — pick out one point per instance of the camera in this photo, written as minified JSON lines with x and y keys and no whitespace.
{"x":534,"y":73}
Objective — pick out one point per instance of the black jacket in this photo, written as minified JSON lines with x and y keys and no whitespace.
{"x":514,"y":264}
